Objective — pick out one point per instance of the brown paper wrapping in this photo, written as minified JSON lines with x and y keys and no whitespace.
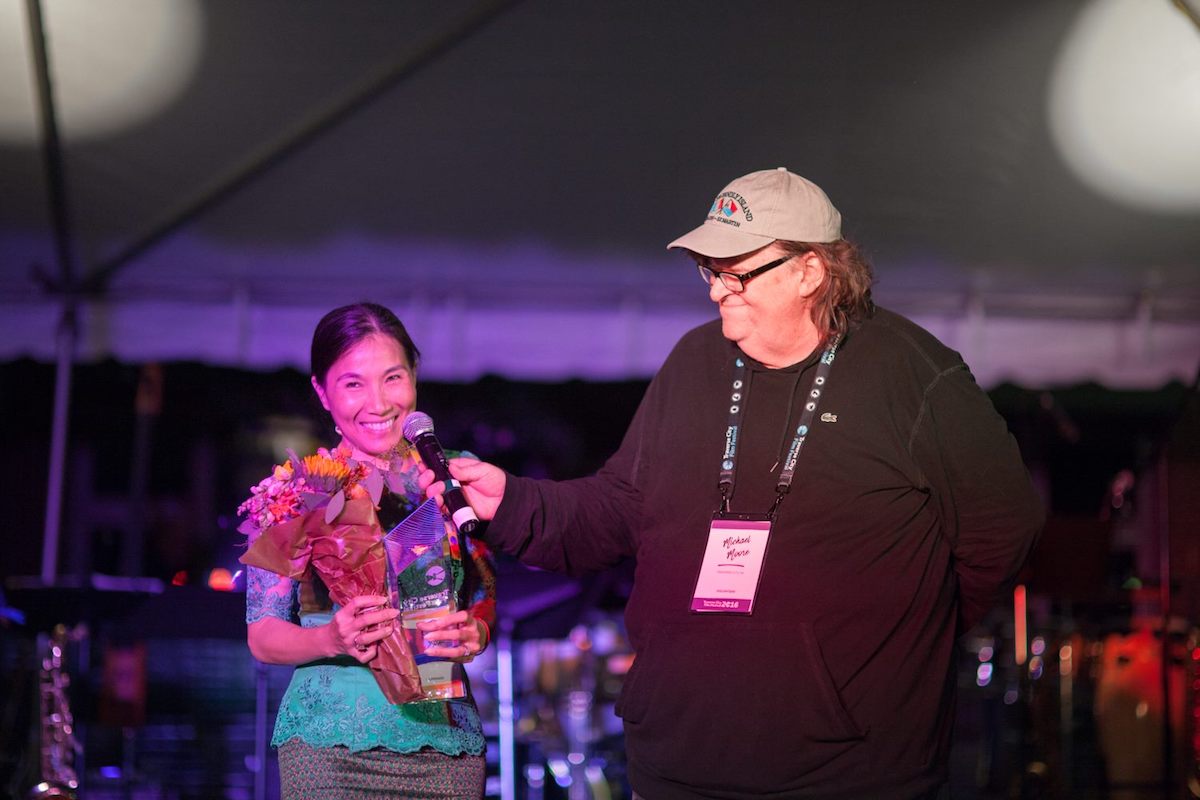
{"x":348,"y":556}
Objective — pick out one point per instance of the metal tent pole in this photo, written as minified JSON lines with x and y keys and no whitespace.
{"x":65,"y":285}
{"x":506,"y":710}
{"x":279,"y":149}
{"x":67,"y":331}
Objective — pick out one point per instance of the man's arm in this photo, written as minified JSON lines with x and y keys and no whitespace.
{"x":990,"y":513}
{"x":572,"y":526}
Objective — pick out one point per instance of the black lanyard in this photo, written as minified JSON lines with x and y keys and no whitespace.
{"x":736,"y":410}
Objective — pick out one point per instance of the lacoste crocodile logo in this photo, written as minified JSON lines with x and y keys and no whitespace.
{"x":827,"y":417}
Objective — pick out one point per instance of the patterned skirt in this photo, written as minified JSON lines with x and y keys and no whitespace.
{"x":336,"y":773}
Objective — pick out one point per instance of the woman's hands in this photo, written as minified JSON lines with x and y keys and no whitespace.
{"x":359,"y":626}
{"x":458,"y":636}
{"x":357,"y":629}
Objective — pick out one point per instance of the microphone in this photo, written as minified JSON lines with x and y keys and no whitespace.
{"x":418,"y":430}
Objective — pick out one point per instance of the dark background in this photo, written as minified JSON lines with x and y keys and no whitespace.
{"x":510,"y":197}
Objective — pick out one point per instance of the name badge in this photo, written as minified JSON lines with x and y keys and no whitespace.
{"x":733,"y":559}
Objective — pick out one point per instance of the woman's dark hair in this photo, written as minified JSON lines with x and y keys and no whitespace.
{"x":344,"y":327}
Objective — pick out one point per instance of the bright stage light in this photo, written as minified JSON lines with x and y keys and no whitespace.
{"x":113,"y":64}
{"x":1124,"y":104}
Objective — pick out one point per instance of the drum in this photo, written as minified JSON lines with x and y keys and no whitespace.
{"x":1131,"y":713}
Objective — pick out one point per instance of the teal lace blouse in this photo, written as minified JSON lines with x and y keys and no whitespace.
{"x":337,"y":701}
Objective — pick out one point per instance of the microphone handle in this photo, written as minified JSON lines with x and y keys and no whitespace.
{"x":461,"y":513}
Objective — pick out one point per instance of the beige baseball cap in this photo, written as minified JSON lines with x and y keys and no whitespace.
{"x":757,"y":209}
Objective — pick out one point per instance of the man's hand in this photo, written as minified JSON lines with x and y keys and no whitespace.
{"x":482,"y":484}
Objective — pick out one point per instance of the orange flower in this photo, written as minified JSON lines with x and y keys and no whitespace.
{"x":284,"y":509}
{"x":321,"y":467}
{"x":277,"y":497}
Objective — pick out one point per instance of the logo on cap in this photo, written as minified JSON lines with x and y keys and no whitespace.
{"x":724,"y":205}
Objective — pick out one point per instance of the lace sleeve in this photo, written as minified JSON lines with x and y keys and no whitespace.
{"x":481,"y":581}
{"x":269,"y":595}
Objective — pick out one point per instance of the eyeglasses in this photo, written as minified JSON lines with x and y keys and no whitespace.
{"x":736,"y":281}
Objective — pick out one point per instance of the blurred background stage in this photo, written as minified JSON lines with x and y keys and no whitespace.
{"x":171,"y":705}
{"x":189,"y":186}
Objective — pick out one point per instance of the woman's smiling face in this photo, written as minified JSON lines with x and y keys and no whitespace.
{"x":369,"y":391}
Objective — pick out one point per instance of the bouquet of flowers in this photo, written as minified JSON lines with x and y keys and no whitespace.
{"x":318,"y":513}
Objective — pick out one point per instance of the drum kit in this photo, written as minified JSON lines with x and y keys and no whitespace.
{"x":1116,"y":709}
{"x":1098,"y":712}
{"x":1099,"y":709}
{"x":1103,"y":712}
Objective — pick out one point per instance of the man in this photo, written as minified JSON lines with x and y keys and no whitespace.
{"x":819,"y":498}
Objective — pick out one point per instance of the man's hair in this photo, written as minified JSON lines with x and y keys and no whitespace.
{"x":844,"y":298}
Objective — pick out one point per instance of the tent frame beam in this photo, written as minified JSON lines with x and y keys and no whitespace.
{"x":280,"y":148}
{"x":68,"y":328}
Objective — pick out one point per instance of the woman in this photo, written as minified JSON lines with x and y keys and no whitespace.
{"x":337,"y":734}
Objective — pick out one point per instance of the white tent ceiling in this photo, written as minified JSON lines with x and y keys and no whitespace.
{"x":1026,"y":189}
